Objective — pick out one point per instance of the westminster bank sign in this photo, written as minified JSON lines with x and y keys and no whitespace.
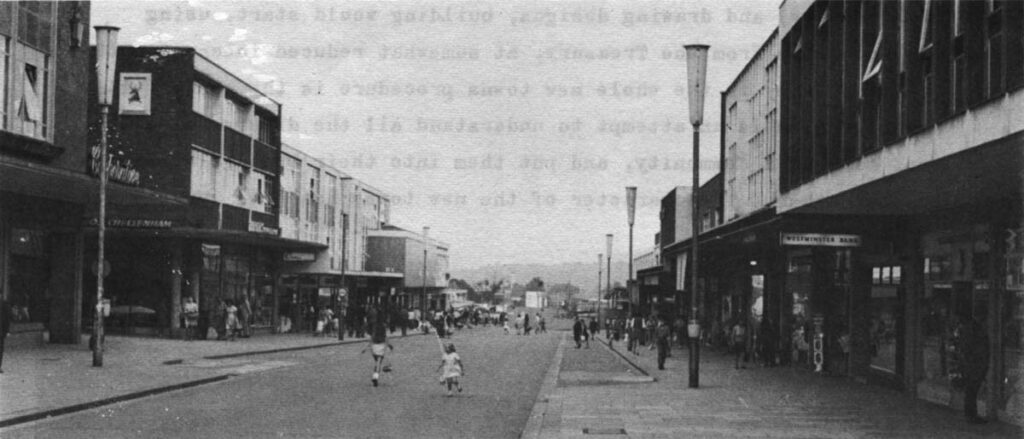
{"x":820,"y":239}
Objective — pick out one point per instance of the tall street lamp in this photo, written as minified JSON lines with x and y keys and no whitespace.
{"x":631,"y":214}
{"x":106,"y":65}
{"x":600,"y":259}
{"x":423,"y":300}
{"x":608,"y":254}
{"x":696,"y":72}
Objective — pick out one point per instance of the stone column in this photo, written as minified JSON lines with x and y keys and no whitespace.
{"x":65,"y":287}
{"x":176,"y":266}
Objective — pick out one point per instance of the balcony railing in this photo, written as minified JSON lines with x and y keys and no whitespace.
{"x":266,"y":158}
{"x":237,"y":146}
{"x":206,"y":133}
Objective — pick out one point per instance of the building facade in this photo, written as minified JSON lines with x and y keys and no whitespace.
{"x":321,"y":204}
{"x":900,"y":158}
{"x":422,"y":261}
{"x":48,"y":186}
{"x":193,"y":130}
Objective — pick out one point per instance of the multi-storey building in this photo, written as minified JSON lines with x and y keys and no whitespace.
{"x":900,"y":155}
{"x":422,"y":261}
{"x":193,"y":130}
{"x":321,"y":204}
{"x":47,"y":184}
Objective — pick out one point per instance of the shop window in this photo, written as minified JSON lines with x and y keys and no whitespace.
{"x":886,"y":275}
{"x":938,"y":268}
{"x":885,"y":308}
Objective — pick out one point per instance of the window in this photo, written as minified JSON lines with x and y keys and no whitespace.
{"x":266,"y":130}
{"x":204,"y":175}
{"x":887,"y":275}
{"x":237,"y":116}
{"x":206,"y":100}
{"x":26,"y":86}
{"x":232,"y":180}
{"x":313,"y":196}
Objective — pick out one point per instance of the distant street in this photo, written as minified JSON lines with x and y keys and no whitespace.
{"x":327,"y":393}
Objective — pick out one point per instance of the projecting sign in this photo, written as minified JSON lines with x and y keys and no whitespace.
{"x":820,"y":239}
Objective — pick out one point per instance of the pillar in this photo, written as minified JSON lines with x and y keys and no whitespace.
{"x":176,"y":264}
{"x":65,"y":287}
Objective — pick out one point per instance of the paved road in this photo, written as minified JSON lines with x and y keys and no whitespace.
{"x":327,"y":393}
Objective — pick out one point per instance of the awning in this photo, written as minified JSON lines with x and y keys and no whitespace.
{"x":43,"y":181}
{"x":219,"y":237}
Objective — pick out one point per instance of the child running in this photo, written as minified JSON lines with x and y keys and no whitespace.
{"x":378,"y":346}
{"x":451,"y":366}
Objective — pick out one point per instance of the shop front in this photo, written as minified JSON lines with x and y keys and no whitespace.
{"x":40,"y":254}
{"x":974,"y":270}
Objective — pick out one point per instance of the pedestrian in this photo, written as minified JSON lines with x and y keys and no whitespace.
{"x":577,"y":332}
{"x":594,"y":328}
{"x":6,"y":315}
{"x":739,"y":342}
{"x":662,"y":336}
{"x":635,"y":330}
{"x":586,"y":334}
{"x":378,"y":347}
{"x":232,"y":324}
{"x":767,"y":340}
{"x":506,"y":328}
{"x":220,"y":319}
{"x":451,"y":369}
{"x":191,"y":313}
{"x":540,"y":324}
{"x":972,"y":352}
{"x":245,"y":315}
{"x":526,"y":324}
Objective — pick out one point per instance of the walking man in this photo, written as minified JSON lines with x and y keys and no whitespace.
{"x":662,"y":335}
{"x":972,"y":347}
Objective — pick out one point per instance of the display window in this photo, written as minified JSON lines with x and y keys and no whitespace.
{"x":29,"y":276}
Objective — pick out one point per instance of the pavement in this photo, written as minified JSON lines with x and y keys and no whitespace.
{"x":42,"y":380}
{"x":756,"y":401}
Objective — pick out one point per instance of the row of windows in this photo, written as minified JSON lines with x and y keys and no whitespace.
{"x":217,"y":104}
{"x":227,"y":182}
{"x":752,"y":133}
{"x":26,"y":86}
{"x":863,"y":74}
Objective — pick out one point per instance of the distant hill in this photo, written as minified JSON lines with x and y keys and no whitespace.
{"x":578,"y":273}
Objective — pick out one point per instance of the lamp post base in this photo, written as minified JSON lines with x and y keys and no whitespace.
{"x":694,"y":363}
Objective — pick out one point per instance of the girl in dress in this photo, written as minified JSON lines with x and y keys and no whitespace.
{"x":231,"y":322}
{"x":451,"y":366}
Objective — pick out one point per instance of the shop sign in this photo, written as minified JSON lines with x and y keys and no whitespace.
{"x":821,"y":239}
{"x":258,"y":227}
{"x":299,"y":257}
{"x":134,"y":223}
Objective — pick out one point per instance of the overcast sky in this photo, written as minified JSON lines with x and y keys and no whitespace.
{"x":510,"y":128}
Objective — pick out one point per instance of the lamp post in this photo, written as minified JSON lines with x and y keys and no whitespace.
{"x":344,"y":287}
{"x":631,"y":214}
{"x":696,"y":72}
{"x":106,"y":64}
{"x":423,"y":300}
{"x":600,"y":259}
{"x":608,"y":274}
